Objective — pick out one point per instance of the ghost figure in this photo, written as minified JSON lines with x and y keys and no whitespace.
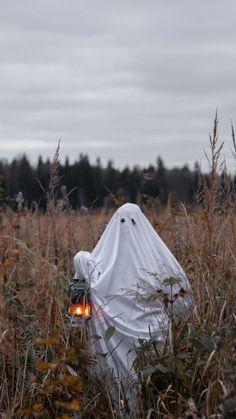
{"x":128,"y":264}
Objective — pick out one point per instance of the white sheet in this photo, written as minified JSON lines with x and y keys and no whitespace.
{"x":130,"y":260}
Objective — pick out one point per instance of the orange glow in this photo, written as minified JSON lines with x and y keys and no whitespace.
{"x":87,"y":310}
{"x":80,"y":309}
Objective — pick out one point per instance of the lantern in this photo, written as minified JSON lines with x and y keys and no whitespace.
{"x":80,"y":308}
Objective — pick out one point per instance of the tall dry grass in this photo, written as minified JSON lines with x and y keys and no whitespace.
{"x":43,"y":364}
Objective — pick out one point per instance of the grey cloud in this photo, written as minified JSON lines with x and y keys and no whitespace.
{"x":121,"y":80}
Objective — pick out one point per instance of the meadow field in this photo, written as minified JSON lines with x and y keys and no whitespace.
{"x":44,"y":364}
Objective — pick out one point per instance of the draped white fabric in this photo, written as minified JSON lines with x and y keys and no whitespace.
{"x":128,"y":264}
{"x":85,"y":267}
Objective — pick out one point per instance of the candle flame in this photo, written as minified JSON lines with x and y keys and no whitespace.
{"x":80,"y":309}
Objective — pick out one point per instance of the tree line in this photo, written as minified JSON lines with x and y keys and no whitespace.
{"x":82,"y":184}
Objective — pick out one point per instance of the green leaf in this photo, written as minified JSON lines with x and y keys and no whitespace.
{"x":207,"y":343}
{"x":96,"y":337}
{"x":172,"y":280}
{"x":163,"y":369}
{"x":110,"y":332}
{"x":147,"y":371}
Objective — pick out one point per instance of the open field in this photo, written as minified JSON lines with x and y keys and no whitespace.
{"x":43,"y":366}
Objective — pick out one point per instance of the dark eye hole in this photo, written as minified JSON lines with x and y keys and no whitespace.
{"x":133,"y":222}
{"x":122,"y":220}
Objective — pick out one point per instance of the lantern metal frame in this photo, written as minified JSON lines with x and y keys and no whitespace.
{"x":79,"y":309}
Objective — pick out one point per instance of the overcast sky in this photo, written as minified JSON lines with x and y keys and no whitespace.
{"x":126,"y":80}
